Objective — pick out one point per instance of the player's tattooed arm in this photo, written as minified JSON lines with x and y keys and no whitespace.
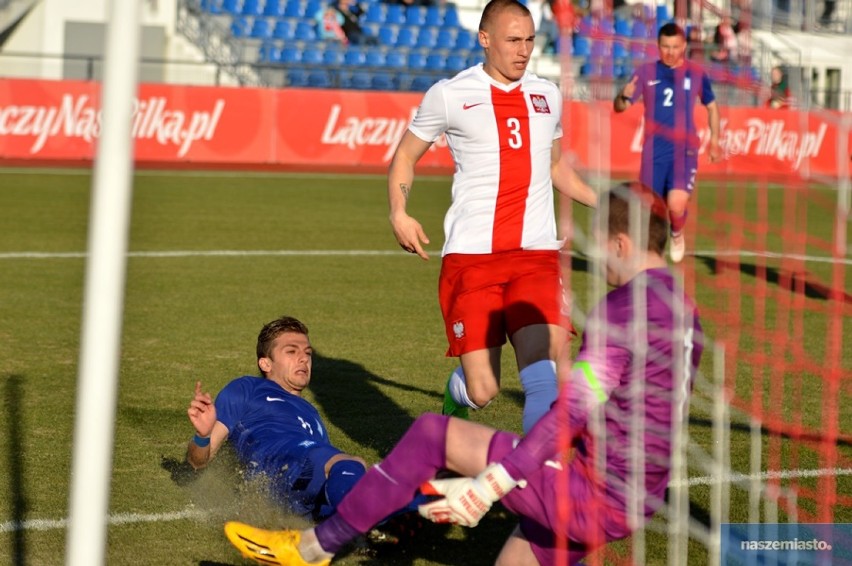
{"x":405,"y":188}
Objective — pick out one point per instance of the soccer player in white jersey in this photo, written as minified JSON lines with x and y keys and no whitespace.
{"x":500,"y":273}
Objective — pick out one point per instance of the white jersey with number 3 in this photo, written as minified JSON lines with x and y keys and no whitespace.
{"x":500,"y":137}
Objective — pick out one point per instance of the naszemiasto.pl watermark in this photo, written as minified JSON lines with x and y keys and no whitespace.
{"x":788,"y":544}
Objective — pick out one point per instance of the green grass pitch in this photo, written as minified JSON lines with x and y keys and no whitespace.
{"x":374,"y":320}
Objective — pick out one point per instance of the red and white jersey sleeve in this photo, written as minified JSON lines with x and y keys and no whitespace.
{"x":500,"y":137}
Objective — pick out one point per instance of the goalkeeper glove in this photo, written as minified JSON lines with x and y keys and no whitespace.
{"x":466,"y":500}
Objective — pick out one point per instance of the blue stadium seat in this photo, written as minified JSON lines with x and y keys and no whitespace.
{"x":240,"y":26}
{"x":436,"y":61}
{"x":455,"y":62}
{"x":662,"y":14}
{"x":422,"y":82}
{"x":466,"y":40}
{"x":312,"y":7}
{"x":261,"y":28}
{"x":284,"y":29}
{"x":305,"y":30}
{"x":269,"y":53}
{"x":297,"y":77}
{"x":619,"y":50}
{"x":395,"y":14}
{"x":451,"y":17}
{"x":416,"y":60}
{"x":375,"y":58}
{"x":251,"y":8}
{"x":407,"y":37}
{"x":387,"y":35}
{"x":232,"y":6}
{"x":355,"y":57}
{"x":291,"y":54}
{"x":396,"y":59}
{"x":274,"y":8}
{"x":360,"y":80}
{"x":212,"y":6}
{"x":312,"y":56}
{"x":434,"y":16}
{"x":319,"y":78}
{"x":382,"y":81}
{"x":295,"y":9}
{"x":446,"y":39}
{"x":582,"y":46}
{"x":622,"y":27}
{"x":415,"y":15}
{"x":333,"y":57}
{"x":375,"y":13}
{"x":427,"y":38}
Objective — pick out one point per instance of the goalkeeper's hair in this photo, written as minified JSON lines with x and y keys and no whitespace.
{"x":271,"y":331}
{"x":619,"y":214}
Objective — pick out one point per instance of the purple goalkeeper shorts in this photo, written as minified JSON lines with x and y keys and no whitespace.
{"x":589,"y":523}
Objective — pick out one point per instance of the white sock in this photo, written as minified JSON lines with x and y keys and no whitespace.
{"x":310,"y":549}
{"x":540,"y":390}
{"x":458,"y":389}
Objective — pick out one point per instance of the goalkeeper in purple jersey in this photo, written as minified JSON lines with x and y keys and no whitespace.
{"x":644,"y":329}
{"x":274,"y":431}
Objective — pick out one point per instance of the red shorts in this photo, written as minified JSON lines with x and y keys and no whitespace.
{"x":485,"y":297}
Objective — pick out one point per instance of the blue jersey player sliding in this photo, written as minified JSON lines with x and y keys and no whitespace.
{"x":275,"y":432}
{"x":669,"y":89}
{"x":640,"y":352}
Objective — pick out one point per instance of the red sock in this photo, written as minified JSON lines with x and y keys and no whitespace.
{"x":678,"y":222}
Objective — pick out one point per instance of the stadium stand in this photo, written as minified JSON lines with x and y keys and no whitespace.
{"x":430,"y":42}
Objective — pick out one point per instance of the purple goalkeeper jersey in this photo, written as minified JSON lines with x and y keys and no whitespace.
{"x":613,"y":356}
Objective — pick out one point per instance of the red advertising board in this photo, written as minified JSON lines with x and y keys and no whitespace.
{"x":45,"y":122}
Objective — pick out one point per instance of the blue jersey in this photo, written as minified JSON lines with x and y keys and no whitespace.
{"x":268,"y":425}
{"x":669,"y":95}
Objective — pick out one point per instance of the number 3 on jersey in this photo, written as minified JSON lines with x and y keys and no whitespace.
{"x":514,"y":130}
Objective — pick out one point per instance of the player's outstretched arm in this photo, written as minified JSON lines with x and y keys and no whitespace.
{"x":408,"y":231}
{"x":566,"y":180}
{"x":209,"y":433}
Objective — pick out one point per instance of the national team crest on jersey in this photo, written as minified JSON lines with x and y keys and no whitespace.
{"x":539,"y":103}
{"x":458,"y":329}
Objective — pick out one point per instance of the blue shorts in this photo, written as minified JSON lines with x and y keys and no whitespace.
{"x":665,"y":175}
{"x":297,"y":477}
{"x":588,"y":523}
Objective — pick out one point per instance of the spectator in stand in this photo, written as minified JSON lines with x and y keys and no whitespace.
{"x":330,"y":25}
{"x":725,"y":42}
{"x":351,"y":12}
{"x":779,"y":95}
{"x":827,"y":11}
{"x":695,"y":42}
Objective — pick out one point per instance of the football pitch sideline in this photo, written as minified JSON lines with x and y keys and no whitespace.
{"x":213,"y":256}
